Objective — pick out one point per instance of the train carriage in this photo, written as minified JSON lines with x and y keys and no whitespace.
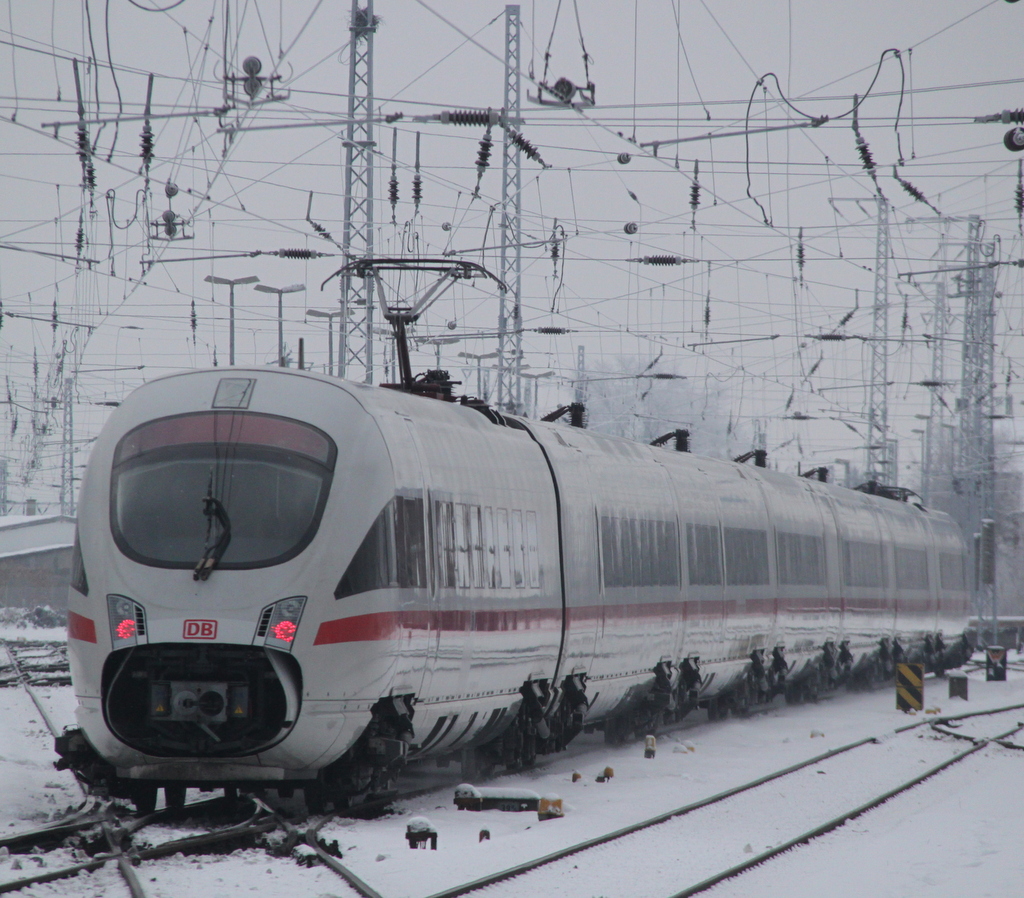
{"x":290,"y":580}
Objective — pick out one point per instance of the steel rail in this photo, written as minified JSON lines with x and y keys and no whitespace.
{"x":334,"y":864}
{"x":127,"y":857}
{"x":836,"y":822}
{"x":23,"y":678}
{"x":561,"y":853}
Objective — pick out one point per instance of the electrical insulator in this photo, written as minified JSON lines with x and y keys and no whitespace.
{"x":393,"y":183}
{"x":1013,"y":140}
{"x":170,"y":189}
{"x":393,"y":193}
{"x":987,"y":549}
{"x":252,"y":66}
{"x":864,"y":151}
{"x":469,"y":117}
{"x":661,"y":260}
{"x":527,"y":148}
{"x":147,"y":144}
{"x":84,"y":150}
{"x":483,"y":158}
{"x":417,"y":180}
{"x":417,"y":191}
{"x":623,"y":158}
{"x":630,"y":227}
{"x":800,"y":253}
{"x":446,"y":226}
{"x":297,"y":254}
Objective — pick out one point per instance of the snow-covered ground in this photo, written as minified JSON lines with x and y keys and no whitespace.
{"x":958,"y":833}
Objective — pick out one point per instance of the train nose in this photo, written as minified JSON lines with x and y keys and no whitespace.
{"x":175,"y":700}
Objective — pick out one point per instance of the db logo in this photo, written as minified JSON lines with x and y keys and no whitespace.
{"x":200,"y":629}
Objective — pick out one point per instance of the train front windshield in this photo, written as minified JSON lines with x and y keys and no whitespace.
{"x":242,"y":489}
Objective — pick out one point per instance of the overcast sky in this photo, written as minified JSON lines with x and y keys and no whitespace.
{"x":125,"y":314}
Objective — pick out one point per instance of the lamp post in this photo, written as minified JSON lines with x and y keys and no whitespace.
{"x":479,"y":368}
{"x":437,"y":343}
{"x":232,"y":283}
{"x":280,"y":291}
{"x":330,"y":316}
{"x":534,"y":378}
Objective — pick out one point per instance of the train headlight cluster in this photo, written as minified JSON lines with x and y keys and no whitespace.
{"x":127,"y":622}
{"x":280,"y":622}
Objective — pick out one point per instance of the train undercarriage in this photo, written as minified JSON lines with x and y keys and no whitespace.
{"x":543,"y":722}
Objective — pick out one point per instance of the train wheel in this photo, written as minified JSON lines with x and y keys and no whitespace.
{"x":315,"y":799}
{"x":174,"y":796}
{"x":741,"y":702}
{"x":144,"y":798}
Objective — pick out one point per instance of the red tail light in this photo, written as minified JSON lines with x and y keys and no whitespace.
{"x":285,"y":631}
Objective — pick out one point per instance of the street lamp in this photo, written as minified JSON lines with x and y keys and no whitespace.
{"x":534,"y":378}
{"x":280,"y":291}
{"x":232,"y":283}
{"x":330,"y":316}
{"x":479,"y":369}
{"x":437,"y":343}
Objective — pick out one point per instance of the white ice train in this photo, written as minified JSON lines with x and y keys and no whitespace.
{"x":285,"y":580}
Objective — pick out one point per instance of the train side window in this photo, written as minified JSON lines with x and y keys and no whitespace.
{"x":532,"y":550}
{"x":504,"y":548}
{"x":704,"y":554}
{"x":746,"y":556}
{"x":461,"y":546}
{"x":410,"y":542}
{"x":610,"y":551}
{"x":863,"y":564}
{"x":667,"y":559}
{"x":372,"y":565}
{"x":951,"y":571}
{"x":801,"y":559}
{"x":490,"y":551}
{"x":444,"y":544}
{"x":647,"y":546}
{"x":518,"y":547}
{"x":476,"y":547}
{"x":911,"y":568}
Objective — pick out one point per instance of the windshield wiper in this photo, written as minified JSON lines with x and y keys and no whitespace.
{"x":213,"y":553}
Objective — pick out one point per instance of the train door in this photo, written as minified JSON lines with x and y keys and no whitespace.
{"x":418,"y":607}
{"x":703,"y":577}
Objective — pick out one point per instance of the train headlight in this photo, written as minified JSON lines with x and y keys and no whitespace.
{"x":127,"y":622}
{"x":280,"y":622}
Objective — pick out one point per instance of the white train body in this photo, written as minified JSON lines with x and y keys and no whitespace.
{"x":442,"y":573}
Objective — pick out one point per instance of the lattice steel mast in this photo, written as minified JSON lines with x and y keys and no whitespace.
{"x":509,"y":380}
{"x":975,"y":475}
{"x":880,"y":460}
{"x":355,"y":337}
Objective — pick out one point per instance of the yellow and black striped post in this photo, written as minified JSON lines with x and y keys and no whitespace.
{"x":909,"y":687}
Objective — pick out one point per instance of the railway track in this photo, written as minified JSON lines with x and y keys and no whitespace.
{"x":623,"y":854}
{"x":101,"y":834}
{"x":36,"y":662}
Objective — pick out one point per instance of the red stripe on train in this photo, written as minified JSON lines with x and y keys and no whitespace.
{"x":79,"y":627}
{"x":393,"y":624}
